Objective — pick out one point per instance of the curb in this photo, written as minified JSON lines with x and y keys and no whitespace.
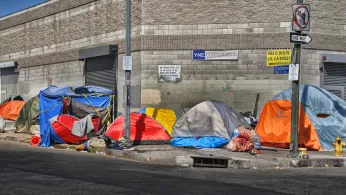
{"x":15,"y":139}
{"x":320,"y":162}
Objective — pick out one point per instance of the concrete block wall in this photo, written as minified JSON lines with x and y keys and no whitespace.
{"x":33,"y":79}
{"x":234,"y":82}
{"x":91,"y":23}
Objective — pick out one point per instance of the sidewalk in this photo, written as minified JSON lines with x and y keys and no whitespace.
{"x":167,"y":155}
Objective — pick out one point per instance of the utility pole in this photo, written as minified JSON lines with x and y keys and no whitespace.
{"x":301,"y":21}
{"x":127,"y":67}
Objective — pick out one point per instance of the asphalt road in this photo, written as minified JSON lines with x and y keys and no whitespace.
{"x":30,"y":170}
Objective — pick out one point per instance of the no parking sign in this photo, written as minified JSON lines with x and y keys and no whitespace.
{"x":301,"y":17}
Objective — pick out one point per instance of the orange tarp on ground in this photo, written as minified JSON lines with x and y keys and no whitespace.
{"x":10,"y":110}
{"x":274,"y":126}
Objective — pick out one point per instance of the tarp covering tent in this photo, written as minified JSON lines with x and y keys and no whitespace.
{"x":144,"y":130}
{"x":165,"y":117}
{"x":209,"y":124}
{"x":81,"y":110}
{"x":28,"y":114}
{"x":10,"y":110}
{"x":322,"y":117}
{"x":51,"y":102}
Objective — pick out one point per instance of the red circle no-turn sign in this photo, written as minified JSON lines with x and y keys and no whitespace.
{"x":301,"y":18}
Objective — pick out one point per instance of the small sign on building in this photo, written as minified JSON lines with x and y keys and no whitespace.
{"x":127,"y":62}
{"x":281,"y":69}
{"x":215,"y":55}
{"x":169,"y":73}
{"x":279,"y":57}
{"x":293,"y":74}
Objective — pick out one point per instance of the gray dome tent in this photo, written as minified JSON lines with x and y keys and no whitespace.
{"x":209,"y":124}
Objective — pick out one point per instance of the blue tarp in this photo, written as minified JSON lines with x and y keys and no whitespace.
{"x":54,"y":91}
{"x":50,"y":137}
{"x":101,"y":101}
{"x":94,"y":90}
{"x":143,"y":110}
{"x":51,"y":105}
{"x":316,"y":101}
{"x":49,"y":108}
{"x":201,"y":142}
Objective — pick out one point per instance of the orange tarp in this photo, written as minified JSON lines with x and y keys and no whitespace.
{"x":274,"y":126}
{"x":10,"y":110}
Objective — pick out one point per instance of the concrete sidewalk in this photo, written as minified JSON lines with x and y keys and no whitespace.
{"x":167,"y":155}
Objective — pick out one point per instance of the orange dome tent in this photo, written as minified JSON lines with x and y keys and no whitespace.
{"x":322,"y":118}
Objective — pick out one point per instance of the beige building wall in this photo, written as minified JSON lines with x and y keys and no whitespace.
{"x":46,"y":39}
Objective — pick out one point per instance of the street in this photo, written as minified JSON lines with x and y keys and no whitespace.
{"x":31,"y":170}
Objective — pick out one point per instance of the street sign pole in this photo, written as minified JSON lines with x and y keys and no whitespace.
{"x":128,"y":75}
{"x":295,"y":94}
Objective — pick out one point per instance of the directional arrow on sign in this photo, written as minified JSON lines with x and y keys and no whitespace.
{"x":300,"y":38}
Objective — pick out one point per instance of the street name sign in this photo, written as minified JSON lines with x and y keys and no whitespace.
{"x":215,"y":55}
{"x":300,"y":38}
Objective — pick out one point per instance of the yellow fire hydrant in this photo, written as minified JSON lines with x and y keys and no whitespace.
{"x":338,"y":145}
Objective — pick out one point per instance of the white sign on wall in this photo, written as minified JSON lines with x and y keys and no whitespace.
{"x":169,"y":73}
{"x":215,"y":55}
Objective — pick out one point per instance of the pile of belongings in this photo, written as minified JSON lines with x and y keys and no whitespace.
{"x":242,"y":140}
{"x":250,"y":118}
{"x":67,"y":115}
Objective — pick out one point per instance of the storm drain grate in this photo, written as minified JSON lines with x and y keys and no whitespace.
{"x":209,"y":162}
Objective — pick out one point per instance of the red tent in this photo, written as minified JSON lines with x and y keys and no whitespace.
{"x":63,"y":125}
{"x":144,"y":130}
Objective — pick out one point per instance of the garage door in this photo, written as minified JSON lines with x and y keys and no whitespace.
{"x":100,"y":71}
{"x":9,"y":79}
{"x":334,"y":78}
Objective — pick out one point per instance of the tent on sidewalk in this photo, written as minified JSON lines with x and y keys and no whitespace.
{"x":165,"y":117}
{"x":28,"y":115}
{"x":54,"y":101}
{"x":144,"y":130}
{"x":209,"y":124}
{"x":9,"y":111}
{"x":322,"y":117}
{"x":60,"y":128}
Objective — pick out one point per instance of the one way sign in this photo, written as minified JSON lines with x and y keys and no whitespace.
{"x":300,"y":38}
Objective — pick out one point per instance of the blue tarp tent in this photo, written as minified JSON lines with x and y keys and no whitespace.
{"x":51,"y":105}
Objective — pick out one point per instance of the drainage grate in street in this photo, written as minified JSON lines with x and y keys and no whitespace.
{"x":206,"y":162}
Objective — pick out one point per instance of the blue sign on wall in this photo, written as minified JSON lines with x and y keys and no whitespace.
{"x":281,"y":69}
{"x":198,"y":55}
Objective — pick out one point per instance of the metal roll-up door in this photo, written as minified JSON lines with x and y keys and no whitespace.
{"x":334,"y":79}
{"x":100,"y":71}
{"x":9,"y":79}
